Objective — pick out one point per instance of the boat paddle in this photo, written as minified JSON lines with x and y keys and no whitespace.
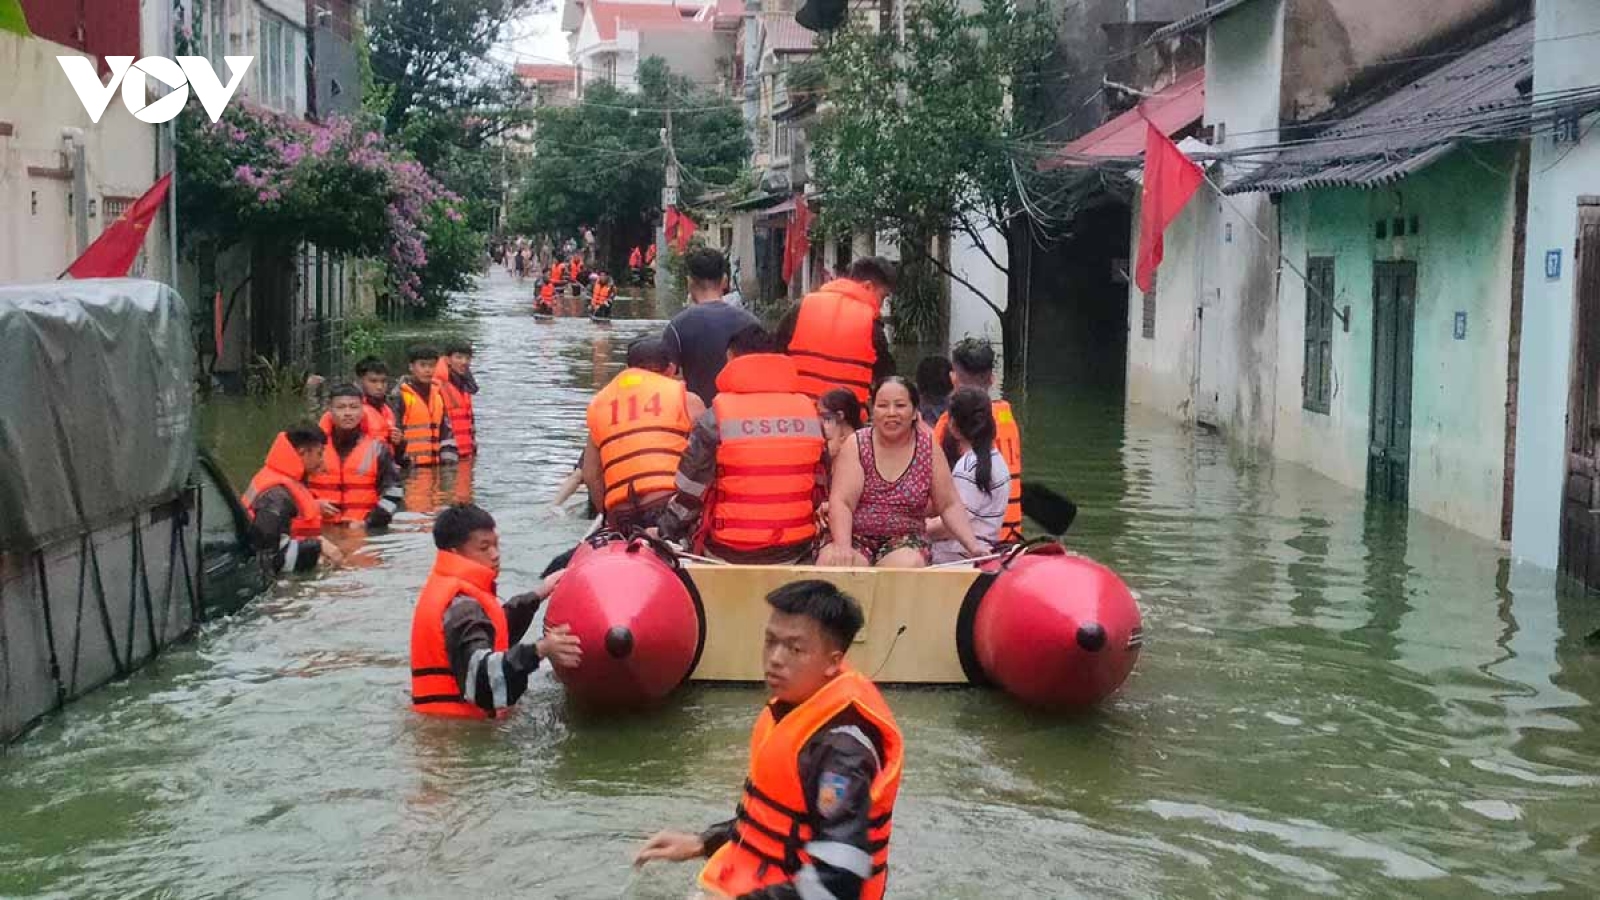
{"x":1048,"y":508}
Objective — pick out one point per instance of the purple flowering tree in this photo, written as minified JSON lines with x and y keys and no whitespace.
{"x":257,"y":176}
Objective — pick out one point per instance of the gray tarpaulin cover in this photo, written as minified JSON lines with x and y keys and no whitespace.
{"x":96,"y":404}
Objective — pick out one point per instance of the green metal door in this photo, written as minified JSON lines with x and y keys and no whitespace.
{"x":1394,"y":296}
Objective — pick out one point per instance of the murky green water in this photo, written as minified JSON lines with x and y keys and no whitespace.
{"x":1332,"y":700}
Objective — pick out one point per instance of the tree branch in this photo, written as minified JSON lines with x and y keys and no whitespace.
{"x":950,"y":273}
{"x":981,"y":244}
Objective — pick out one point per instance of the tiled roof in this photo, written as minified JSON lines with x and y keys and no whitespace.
{"x":610,"y":17}
{"x":553,"y":73}
{"x":784,"y":35}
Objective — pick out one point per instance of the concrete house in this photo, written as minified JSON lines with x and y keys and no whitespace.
{"x":1558,"y":384}
{"x":64,"y":178}
{"x":1390,"y":373}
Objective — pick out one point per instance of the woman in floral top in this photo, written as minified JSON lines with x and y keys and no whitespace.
{"x":885,"y":478}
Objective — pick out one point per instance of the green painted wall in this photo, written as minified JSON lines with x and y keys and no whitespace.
{"x":1465,"y":209}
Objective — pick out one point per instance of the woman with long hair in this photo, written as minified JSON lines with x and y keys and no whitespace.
{"x":841,"y":417}
{"x":885,"y":479}
{"x":979,"y":472}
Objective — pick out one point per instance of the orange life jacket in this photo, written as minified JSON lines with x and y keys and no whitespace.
{"x":1008,"y":440}
{"x":374,"y":421}
{"x":547,"y":292}
{"x":458,"y":404}
{"x":640,"y":423}
{"x":635,"y":259}
{"x":575,"y":267}
{"x":284,"y":469}
{"x":771,"y":444}
{"x":558,"y":274}
{"x":421,"y":424}
{"x":774,"y":821}
{"x":602,"y":295}
{"x":650,"y":255}
{"x":832,"y":342}
{"x":351,"y":482}
{"x":434,"y":689}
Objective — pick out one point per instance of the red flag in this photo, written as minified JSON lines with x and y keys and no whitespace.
{"x":113,"y":253}
{"x":680,"y":228}
{"x":1170,"y":179}
{"x":797,"y":242}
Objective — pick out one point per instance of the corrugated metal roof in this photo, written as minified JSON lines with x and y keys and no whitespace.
{"x":1410,"y":128}
{"x":1199,"y":20}
{"x":1172,"y":109}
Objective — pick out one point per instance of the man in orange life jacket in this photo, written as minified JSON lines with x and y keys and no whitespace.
{"x":285,"y":518}
{"x":638,"y":428}
{"x":453,"y":375}
{"x":972,"y":365}
{"x":358,"y":474}
{"x":426,"y":438}
{"x":756,"y":462}
{"x":373,"y":376}
{"x":600,"y":299}
{"x":825,"y":762}
{"x":546,"y":304}
{"x":471,"y":655}
{"x":835,"y":334}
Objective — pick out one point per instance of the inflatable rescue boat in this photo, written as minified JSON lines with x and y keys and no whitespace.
{"x":1053,"y":629}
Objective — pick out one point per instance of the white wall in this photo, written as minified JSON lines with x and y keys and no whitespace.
{"x":1162,"y":368}
{"x":969,"y":315}
{"x":38,"y":102}
{"x":1244,"y":65}
{"x":1559,"y":174}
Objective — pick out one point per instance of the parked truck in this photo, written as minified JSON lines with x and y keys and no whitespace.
{"x":117,"y":536}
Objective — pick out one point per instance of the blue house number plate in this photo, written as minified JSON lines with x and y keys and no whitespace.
{"x":1552,"y":264}
{"x":1461,"y":325}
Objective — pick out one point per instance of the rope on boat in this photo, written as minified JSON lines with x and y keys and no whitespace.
{"x":956,"y":564}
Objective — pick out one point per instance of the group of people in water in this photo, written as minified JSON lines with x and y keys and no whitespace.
{"x":803,"y":445}
{"x":797,"y":445}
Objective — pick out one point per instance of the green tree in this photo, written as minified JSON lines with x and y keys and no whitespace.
{"x":930,"y":135}
{"x":602,"y":162}
{"x":444,"y":94}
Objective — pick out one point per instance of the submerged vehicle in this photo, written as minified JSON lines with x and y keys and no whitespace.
{"x":1053,"y":629}
{"x":116,"y":536}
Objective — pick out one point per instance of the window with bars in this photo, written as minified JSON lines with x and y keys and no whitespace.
{"x":1316,"y":381}
{"x":112,"y":208}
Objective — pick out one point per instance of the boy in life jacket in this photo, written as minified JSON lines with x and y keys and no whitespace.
{"x":285,"y":517}
{"x":426,"y":438}
{"x":471,"y":655}
{"x":756,"y":465}
{"x":454,"y":377}
{"x":373,"y":377}
{"x":358,"y":474}
{"x":817,"y":811}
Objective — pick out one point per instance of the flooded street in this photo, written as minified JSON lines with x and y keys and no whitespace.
{"x":1332,"y":699}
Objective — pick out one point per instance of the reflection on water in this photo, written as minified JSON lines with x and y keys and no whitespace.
{"x":1334,"y":699}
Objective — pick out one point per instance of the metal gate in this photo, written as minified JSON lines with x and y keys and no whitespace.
{"x":1394,"y":301}
{"x":1580,"y":498}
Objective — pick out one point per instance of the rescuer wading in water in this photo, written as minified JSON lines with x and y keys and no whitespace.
{"x":825,"y":758}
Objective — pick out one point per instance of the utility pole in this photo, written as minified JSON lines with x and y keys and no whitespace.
{"x":669,"y":199}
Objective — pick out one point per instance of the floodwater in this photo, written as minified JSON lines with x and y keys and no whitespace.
{"x":1332,"y":700}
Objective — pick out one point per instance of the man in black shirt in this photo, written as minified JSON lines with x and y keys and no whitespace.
{"x":697,"y":338}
